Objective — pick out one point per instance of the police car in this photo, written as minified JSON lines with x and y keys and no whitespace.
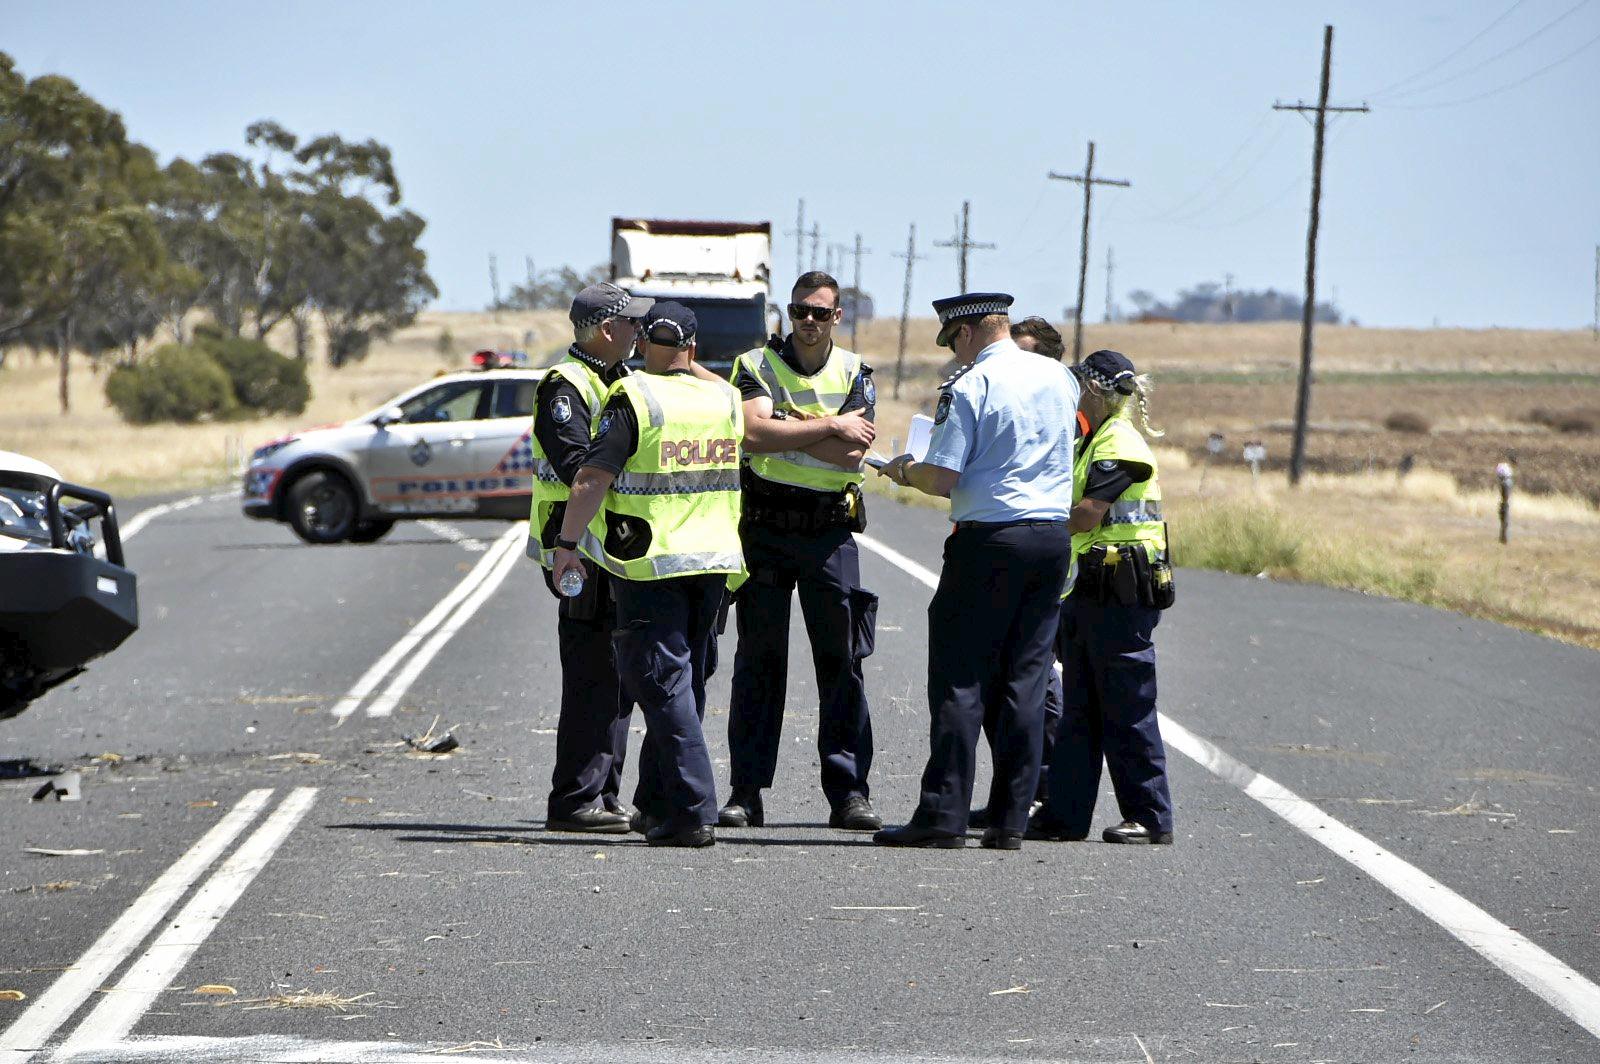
{"x":457,"y":446}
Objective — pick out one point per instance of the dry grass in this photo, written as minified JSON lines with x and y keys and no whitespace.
{"x":1422,"y":540}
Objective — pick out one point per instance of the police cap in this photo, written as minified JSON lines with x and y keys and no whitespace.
{"x":952,"y":309}
{"x":600,"y":301}
{"x":670,"y":324}
{"x":1111,"y":370}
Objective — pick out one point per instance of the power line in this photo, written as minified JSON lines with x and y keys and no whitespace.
{"x":1222,"y":193}
{"x":1585,"y":46}
{"x":1568,"y":13}
{"x":1162,"y":215}
{"x":1474,"y":39}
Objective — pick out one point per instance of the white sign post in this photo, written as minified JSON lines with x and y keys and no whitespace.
{"x":1255,"y":452}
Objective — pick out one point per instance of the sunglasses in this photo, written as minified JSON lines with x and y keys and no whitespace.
{"x":801,"y":312}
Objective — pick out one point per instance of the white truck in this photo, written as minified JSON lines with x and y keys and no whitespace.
{"x":720,"y":270}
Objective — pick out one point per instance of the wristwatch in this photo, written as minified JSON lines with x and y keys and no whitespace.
{"x":566,"y":544}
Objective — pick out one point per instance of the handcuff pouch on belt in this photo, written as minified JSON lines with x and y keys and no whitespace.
{"x":1123,"y":574}
{"x":782,"y":508}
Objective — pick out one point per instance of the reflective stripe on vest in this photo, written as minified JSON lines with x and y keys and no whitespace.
{"x":682,"y":480}
{"x":1135,"y":516}
{"x":548,"y":489}
{"x":820,"y":394}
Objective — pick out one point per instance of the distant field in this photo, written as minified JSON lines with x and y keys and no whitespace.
{"x":1484,"y":394}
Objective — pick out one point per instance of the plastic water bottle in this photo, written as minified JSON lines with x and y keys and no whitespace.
{"x":571,"y":583}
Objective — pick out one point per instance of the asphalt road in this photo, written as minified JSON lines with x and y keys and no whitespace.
{"x":1426,"y":891}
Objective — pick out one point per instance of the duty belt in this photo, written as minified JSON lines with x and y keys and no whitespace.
{"x":797,"y":509}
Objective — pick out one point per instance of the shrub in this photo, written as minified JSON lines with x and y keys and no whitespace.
{"x":174,"y":383}
{"x":1408,"y":421}
{"x":1575,"y":423}
{"x":1237,"y":537}
{"x":263,"y":381}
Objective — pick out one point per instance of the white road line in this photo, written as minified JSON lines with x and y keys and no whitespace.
{"x":493,"y":578}
{"x":1564,"y":988}
{"x":452,"y":534}
{"x":35,"y":1026}
{"x":138,"y":521}
{"x":116,"y":1014}
{"x":369,"y":680}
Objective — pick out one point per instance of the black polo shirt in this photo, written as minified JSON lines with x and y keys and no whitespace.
{"x":562,"y":417}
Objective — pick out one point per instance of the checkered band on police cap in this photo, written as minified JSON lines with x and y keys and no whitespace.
{"x":972,"y":304}
{"x":1111,"y":370}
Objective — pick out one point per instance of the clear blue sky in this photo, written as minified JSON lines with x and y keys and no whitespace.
{"x":520,"y":128}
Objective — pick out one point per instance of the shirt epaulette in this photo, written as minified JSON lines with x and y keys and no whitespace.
{"x":954,"y":377}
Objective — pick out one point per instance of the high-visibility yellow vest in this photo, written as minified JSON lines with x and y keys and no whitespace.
{"x":1135,"y":517}
{"x":682,"y":480}
{"x":822,"y":393}
{"x":548,"y":489}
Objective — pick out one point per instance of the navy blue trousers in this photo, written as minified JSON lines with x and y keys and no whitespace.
{"x":666,"y":632}
{"x":991,"y":627}
{"x":592,"y":730}
{"x":840,"y":618}
{"x":1109,"y":713}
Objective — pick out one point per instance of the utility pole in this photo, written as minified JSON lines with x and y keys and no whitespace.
{"x":799,"y":234}
{"x":1597,"y":292}
{"x":855,"y":309}
{"x":494,"y":287}
{"x":911,"y":257}
{"x":1088,"y":181}
{"x":1111,"y":269}
{"x":1227,"y":295}
{"x":816,"y":239}
{"x":963,"y":243}
{"x":1308,"y":316}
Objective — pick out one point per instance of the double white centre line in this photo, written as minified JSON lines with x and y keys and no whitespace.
{"x":115,"y":1016}
{"x":402,"y":663}
{"x":1564,"y":988}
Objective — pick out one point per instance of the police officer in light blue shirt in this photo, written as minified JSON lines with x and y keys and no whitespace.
{"x":1002,"y":452}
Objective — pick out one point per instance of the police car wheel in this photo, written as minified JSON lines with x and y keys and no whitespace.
{"x":371,"y":531}
{"x":322,"y":508}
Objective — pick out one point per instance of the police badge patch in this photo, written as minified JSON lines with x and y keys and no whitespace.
{"x":943,"y":410}
{"x":869,"y":391}
{"x":604,"y":426}
{"x":1107,"y":465}
{"x":561,"y":410}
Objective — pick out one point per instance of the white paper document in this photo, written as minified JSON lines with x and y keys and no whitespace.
{"x":920,"y":436}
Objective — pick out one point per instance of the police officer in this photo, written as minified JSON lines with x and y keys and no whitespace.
{"x":808,"y":406}
{"x":665,"y":466}
{"x":1002,"y":451}
{"x":592,"y":730}
{"x":1107,"y":655}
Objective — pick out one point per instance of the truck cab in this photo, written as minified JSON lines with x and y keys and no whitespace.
{"x":720,"y":270}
